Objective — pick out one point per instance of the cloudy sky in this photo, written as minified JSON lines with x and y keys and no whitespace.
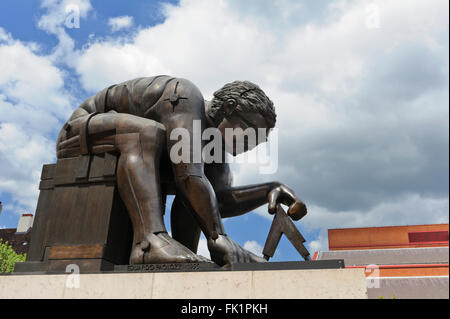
{"x":360,"y":88}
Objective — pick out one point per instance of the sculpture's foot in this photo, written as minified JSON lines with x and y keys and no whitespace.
{"x":225,"y":252}
{"x":160,"y":249}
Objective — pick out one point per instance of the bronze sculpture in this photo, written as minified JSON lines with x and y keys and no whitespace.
{"x":135,"y":119}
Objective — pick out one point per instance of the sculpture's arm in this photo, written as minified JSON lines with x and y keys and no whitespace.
{"x":239,"y":200}
{"x":191,"y":183}
{"x":196,"y":191}
{"x":193,"y":186}
{"x":235,"y":201}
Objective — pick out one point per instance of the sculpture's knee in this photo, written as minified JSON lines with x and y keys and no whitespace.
{"x":153,"y":137}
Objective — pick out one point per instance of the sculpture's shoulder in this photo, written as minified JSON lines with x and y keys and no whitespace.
{"x":157,"y":85}
{"x":164,"y":87}
{"x":131,"y":96}
{"x":140,"y":86}
{"x":164,"y":95}
{"x":147,"y":92}
{"x":186,"y":88}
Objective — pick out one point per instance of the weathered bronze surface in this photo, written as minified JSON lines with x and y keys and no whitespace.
{"x":113,"y":157}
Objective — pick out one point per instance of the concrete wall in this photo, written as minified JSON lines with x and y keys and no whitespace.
{"x":328,"y":283}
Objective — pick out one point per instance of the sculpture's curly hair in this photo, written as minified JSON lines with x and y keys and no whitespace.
{"x":249,"y":98}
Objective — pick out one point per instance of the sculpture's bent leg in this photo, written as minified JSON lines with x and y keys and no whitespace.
{"x":185,"y":228}
{"x":139,"y":142}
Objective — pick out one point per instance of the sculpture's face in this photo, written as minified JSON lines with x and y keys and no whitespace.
{"x":243,"y":124}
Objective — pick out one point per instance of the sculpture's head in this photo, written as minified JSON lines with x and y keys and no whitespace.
{"x":242,"y":105}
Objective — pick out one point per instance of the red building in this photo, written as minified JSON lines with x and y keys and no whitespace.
{"x":401,"y":261}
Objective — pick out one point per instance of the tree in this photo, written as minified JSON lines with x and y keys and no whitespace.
{"x":8,"y":257}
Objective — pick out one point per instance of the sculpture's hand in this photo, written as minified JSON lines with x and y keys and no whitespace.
{"x":284,"y":195}
{"x":225,"y":251}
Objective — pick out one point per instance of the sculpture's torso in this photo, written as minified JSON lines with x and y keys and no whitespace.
{"x":153,"y":98}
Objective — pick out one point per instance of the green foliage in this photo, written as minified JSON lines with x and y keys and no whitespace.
{"x":8,"y":257}
{"x":393,"y":297}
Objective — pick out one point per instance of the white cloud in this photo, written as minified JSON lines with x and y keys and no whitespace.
{"x":58,"y":12}
{"x":33,"y":104}
{"x":319,"y":244}
{"x":120,"y":23}
{"x":190,"y":43}
{"x":254,"y":247}
{"x":22,"y":155}
{"x":113,"y":62}
{"x":62,"y":14}
{"x":203,"y":248}
{"x":4,"y":36}
{"x":32,"y":80}
{"x":406,"y":210}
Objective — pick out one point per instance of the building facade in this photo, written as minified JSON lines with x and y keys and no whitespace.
{"x":409,"y":261}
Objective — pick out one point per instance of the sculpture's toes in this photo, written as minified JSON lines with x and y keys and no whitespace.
{"x":137,"y":255}
{"x":161,"y":248}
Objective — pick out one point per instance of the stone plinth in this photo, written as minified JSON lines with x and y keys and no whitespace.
{"x":271,"y":284}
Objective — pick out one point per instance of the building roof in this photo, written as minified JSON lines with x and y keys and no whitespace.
{"x":433,"y":235}
{"x":19,"y":241}
{"x":392,"y":226}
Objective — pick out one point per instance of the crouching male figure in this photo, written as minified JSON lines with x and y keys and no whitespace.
{"x":135,"y":119}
